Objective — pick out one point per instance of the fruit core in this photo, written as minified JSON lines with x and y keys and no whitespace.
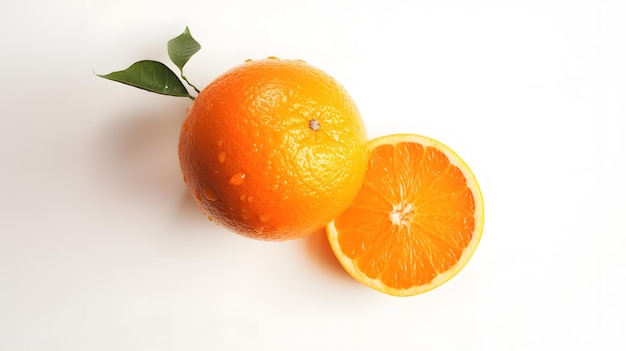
{"x":401,"y":214}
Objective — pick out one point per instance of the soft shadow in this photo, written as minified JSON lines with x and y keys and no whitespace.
{"x":138,"y":155}
{"x":188,"y":209}
{"x":319,"y":249}
{"x":141,"y":148}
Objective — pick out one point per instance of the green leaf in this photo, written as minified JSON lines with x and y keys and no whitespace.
{"x":151,"y":76}
{"x":182,"y":48}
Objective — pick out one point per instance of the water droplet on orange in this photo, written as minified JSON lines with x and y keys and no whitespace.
{"x":242,"y":197}
{"x":245,"y":214}
{"x":209,"y":194}
{"x":220,"y":143}
{"x":237,"y":178}
{"x":265,"y":218}
{"x":221,"y":156}
{"x":250,"y":198}
{"x":198,"y":195}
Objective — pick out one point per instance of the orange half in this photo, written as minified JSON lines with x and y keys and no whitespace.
{"x":416,"y":221}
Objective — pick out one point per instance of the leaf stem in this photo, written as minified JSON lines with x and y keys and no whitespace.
{"x":185,"y":79}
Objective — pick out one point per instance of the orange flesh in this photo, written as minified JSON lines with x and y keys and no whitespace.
{"x":412,"y":219}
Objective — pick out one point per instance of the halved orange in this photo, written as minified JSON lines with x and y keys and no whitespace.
{"x":416,"y":221}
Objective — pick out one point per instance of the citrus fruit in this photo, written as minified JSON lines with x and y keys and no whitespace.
{"x":415,"y":222}
{"x":273,"y":149}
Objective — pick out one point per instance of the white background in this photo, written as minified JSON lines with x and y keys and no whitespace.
{"x":101,"y":247}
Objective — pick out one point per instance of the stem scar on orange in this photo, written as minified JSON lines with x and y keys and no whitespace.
{"x":416,"y":221}
{"x":273,"y":149}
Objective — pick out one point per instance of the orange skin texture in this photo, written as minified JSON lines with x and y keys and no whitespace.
{"x":273,"y":149}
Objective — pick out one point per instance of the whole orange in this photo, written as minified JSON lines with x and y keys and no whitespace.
{"x":273,"y":149}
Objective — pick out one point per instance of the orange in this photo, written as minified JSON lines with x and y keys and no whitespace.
{"x":416,"y":221}
{"x":273,"y":149}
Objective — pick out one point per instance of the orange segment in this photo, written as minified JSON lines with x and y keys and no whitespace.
{"x":416,"y":221}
